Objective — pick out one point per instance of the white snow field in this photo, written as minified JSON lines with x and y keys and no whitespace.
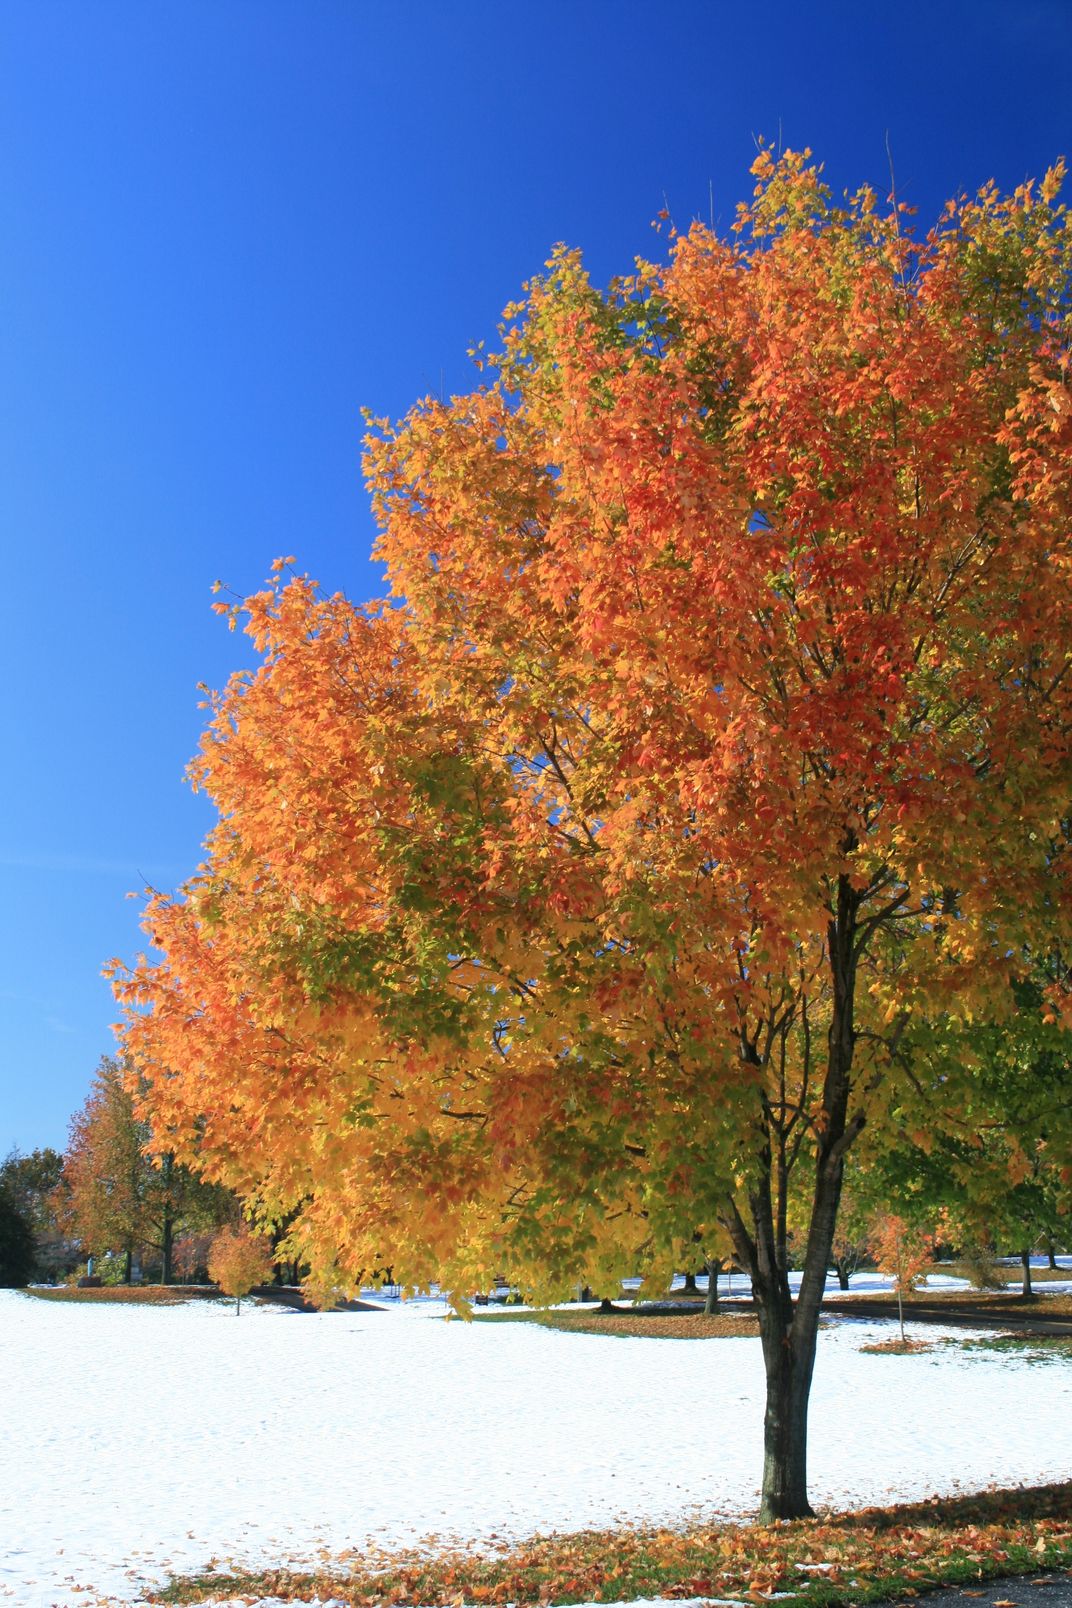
{"x":140,"y":1441}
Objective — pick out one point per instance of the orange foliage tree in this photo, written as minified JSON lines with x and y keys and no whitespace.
{"x":107,"y":1193}
{"x":237,"y":1260}
{"x":577,"y":900}
{"x":903,"y":1251}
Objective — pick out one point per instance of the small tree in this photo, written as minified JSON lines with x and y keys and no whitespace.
{"x":237,"y":1261}
{"x":903,"y":1252}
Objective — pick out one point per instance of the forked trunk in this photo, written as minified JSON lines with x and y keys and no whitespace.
{"x":789,"y":1329}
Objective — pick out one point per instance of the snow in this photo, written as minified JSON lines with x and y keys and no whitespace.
{"x":140,"y":1441}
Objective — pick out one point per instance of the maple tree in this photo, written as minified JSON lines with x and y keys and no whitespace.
{"x":237,"y":1260}
{"x":904,"y":1252}
{"x":121,"y":1190}
{"x":577,"y":900}
{"x":997,"y":1165}
{"x":101,"y":1197}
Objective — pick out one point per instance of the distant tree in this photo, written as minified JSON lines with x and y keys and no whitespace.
{"x":238,"y":1260}
{"x":851,"y":1235}
{"x":984,"y":1129}
{"x":102,"y":1199}
{"x":16,"y":1241}
{"x":191,"y":1254}
{"x":121,"y":1190}
{"x":31,"y":1183}
{"x":903,"y":1252}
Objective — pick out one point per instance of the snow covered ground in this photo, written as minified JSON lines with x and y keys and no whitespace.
{"x":138,"y":1441}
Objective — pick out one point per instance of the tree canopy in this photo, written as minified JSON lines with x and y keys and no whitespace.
{"x":568,"y":903}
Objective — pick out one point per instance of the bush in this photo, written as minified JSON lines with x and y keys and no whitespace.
{"x":981,"y":1268}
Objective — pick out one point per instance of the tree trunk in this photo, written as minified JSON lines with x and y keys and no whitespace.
{"x":690,"y":1284}
{"x":714,"y":1268}
{"x":128,"y":1266}
{"x":842,"y":1270}
{"x":167,"y":1229}
{"x":785,"y":1434}
{"x":1052,"y":1256}
{"x":789,"y":1330}
{"x":1027,"y":1293}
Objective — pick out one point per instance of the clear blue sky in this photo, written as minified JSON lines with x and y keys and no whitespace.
{"x":226,"y":225}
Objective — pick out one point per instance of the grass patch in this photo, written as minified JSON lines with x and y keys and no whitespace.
{"x":1043,"y":1305}
{"x":1038,"y":1347}
{"x":1010,"y":1272}
{"x":645,"y":1325}
{"x":865,"y":1557}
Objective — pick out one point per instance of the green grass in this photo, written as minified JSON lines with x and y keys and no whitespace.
{"x":1037,"y":1347}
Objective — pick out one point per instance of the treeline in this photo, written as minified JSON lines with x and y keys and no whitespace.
{"x":116,"y":1206}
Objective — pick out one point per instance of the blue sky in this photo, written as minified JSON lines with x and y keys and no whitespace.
{"x":227,"y":225}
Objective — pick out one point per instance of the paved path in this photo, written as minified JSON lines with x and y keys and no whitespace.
{"x":961,"y":1316}
{"x":1024,"y":1591}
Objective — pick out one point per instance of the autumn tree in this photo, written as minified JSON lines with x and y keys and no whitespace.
{"x":903,"y":1252}
{"x":983,"y":1129}
{"x":850,"y":1243}
{"x":237,"y":1260}
{"x":122,"y":1190}
{"x":580,"y":898}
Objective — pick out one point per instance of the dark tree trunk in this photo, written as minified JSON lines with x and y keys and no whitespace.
{"x":167,"y":1229}
{"x":785,"y":1428}
{"x":1027,"y":1293}
{"x":1052,"y":1256}
{"x":690,"y":1284}
{"x":789,"y":1329}
{"x":841,"y":1268}
{"x":714,"y":1268}
{"x":128,"y":1266}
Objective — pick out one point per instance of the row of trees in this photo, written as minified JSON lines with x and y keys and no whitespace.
{"x":122,"y":1190}
{"x":694,"y":812}
{"x":116,"y":1195}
